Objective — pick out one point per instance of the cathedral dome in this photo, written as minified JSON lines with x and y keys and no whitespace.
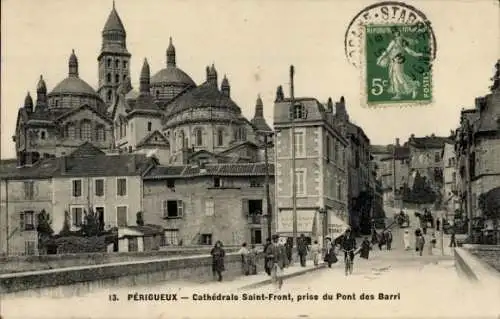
{"x":73,"y":85}
{"x":172,"y":75}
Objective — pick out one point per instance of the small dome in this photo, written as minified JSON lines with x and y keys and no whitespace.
{"x":73,"y":85}
{"x":172,"y":75}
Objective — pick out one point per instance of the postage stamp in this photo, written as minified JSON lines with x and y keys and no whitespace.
{"x":397,"y":64}
{"x":394,"y":46}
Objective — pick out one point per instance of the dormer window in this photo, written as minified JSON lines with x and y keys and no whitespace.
{"x":298,"y":112}
{"x":150,"y":126}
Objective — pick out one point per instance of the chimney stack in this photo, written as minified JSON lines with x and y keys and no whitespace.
{"x":397,"y":141}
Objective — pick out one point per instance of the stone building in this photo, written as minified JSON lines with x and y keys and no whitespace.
{"x":360,"y":192}
{"x":450,"y":199}
{"x":395,"y":173}
{"x":478,"y":142}
{"x":321,"y":167}
{"x":169,"y":117}
{"x":66,"y":187}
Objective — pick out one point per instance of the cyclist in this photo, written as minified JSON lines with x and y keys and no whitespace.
{"x":348,"y":245}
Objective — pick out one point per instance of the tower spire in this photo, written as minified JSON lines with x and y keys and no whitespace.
{"x":225,"y":87}
{"x":41,"y":94}
{"x":259,"y":108}
{"x":144,"y":78}
{"x":28,"y":103}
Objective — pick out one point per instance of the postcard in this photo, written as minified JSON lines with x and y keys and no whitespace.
{"x":250,"y":159}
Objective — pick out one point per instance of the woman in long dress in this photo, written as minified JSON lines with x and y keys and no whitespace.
{"x":394,"y":59}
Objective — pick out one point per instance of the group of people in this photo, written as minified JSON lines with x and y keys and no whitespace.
{"x":382,"y":239}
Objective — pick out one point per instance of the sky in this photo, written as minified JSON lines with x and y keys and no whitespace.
{"x":253,"y":43}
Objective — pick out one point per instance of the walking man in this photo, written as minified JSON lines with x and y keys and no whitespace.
{"x":389,"y":239}
{"x":302,"y":249}
{"x":453,"y":242}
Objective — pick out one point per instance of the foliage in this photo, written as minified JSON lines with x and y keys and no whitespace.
{"x":420,"y":193}
{"x":66,"y":229}
{"x":91,"y":225}
{"x":489,"y":205}
{"x":78,"y":244}
{"x":44,"y":230}
{"x":139,"y":219}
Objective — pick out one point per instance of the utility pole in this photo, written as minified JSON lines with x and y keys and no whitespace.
{"x":268,"y":194}
{"x":294,"y":182}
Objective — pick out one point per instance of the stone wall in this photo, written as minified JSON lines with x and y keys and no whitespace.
{"x":479,"y":264}
{"x":16,"y":264}
{"x":84,"y":279}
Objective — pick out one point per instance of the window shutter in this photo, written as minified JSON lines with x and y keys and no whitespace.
{"x":164,"y":208}
{"x":21,"y":222}
{"x":180,"y":208}
{"x":244,"y":207}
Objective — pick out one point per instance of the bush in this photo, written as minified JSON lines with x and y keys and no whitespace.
{"x":77,"y":244}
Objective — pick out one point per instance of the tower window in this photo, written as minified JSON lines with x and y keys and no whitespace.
{"x":108,"y":63}
{"x":57,"y":103}
{"x":108,"y":95}
{"x":117,"y":78}
{"x":124,"y":64}
{"x":124,"y":77}
{"x":117,"y":63}
{"x":108,"y":78}
{"x":149,"y":126}
{"x":220,"y":137}
{"x":43,"y":135}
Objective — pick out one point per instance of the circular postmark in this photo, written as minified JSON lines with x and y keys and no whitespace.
{"x":390,"y":13}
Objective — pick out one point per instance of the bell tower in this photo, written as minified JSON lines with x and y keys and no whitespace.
{"x":114,"y":59}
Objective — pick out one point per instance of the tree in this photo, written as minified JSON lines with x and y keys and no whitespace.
{"x":139,"y":219}
{"x":44,"y":231}
{"x":91,"y":225}
{"x":66,"y":229}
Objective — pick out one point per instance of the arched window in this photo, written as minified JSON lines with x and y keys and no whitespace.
{"x":57,"y":103}
{"x":108,"y":78}
{"x":108,"y":95}
{"x":199,"y":137}
{"x":117,"y":63}
{"x":124,"y":64}
{"x":100,"y":133}
{"x":108,"y":62}
{"x":150,"y":126}
{"x":181,"y":140}
{"x":71,"y":131}
{"x":86,"y":131}
{"x":243,"y":134}
{"x":117,"y":78}
{"x":124,"y":77}
{"x":220,"y":137}
{"x":43,"y":135}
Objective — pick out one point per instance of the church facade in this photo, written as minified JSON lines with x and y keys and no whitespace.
{"x":169,"y":114}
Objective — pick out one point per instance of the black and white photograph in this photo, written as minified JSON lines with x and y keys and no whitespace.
{"x":250,"y":159}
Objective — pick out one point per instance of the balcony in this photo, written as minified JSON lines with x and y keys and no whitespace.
{"x":255,"y":219}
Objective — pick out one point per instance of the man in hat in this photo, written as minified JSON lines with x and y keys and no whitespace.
{"x":276,"y":256}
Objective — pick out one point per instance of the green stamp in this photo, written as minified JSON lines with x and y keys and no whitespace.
{"x":398,"y":63}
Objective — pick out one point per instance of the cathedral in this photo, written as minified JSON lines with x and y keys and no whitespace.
{"x":169,"y":115}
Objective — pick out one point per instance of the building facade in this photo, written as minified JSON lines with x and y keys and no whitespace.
{"x":450,"y":199}
{"x":321,"y":172}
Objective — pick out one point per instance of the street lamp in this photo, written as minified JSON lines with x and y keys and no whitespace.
{"x":323,"y":212}
{"x":294,"y":182}
{"x":267,"y":134}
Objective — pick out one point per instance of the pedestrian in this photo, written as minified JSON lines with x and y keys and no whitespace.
{"x":365,"y":248}
{"x":438,"y":223}
{"x":276,"y":255}
{"x":381,"y":240}
{"x":420,"y":244}
{"x":453,"y":242}
{"x":302,"y":249}
{"x":406,"y":240}
{"x":218,"y":255}
{"x":388,"y":239}
{"x":243,"y":252}
{"x":433,"y":240}
{"x":289,"y":251}
{"x":330,"y":257}
{"x":252,"y":260}
{"x":315,"y":251}
{"x":266,"y":266}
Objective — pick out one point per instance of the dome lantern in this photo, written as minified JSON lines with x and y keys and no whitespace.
{"x":41,"y":94}
{"x":171,"y":54}
{"x":28,"y":103}
{"x":73,"y":64}
{"x":225,"y":87}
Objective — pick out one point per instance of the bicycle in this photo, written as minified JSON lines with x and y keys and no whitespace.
{"x":348,"y":261}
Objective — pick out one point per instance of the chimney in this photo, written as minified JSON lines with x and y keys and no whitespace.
{"x":64,"y":163}
{"x":433,"y":135}
{"x":397,"y":141}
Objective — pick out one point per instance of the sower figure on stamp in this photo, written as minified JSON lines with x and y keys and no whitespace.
{"x":276,"y":256}
{"x":394,"y":59}
{"x":218,"y":255}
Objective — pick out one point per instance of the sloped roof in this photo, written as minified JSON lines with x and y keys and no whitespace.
{"x":172,"y":75}
{"x":379,"y":149}
{"x":226,"y":169}
{"x":114,"y":23}
{"x":44,"y":168}
{"x":488,"y":120}
{"x":106,"y":165}
{"x":74,"y":85}
{"x":87,"y":149}
{"x":149,"y":139}
{"x":205,"y":95}
{"x":260,"y":124}
{"x":429,"y":141}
